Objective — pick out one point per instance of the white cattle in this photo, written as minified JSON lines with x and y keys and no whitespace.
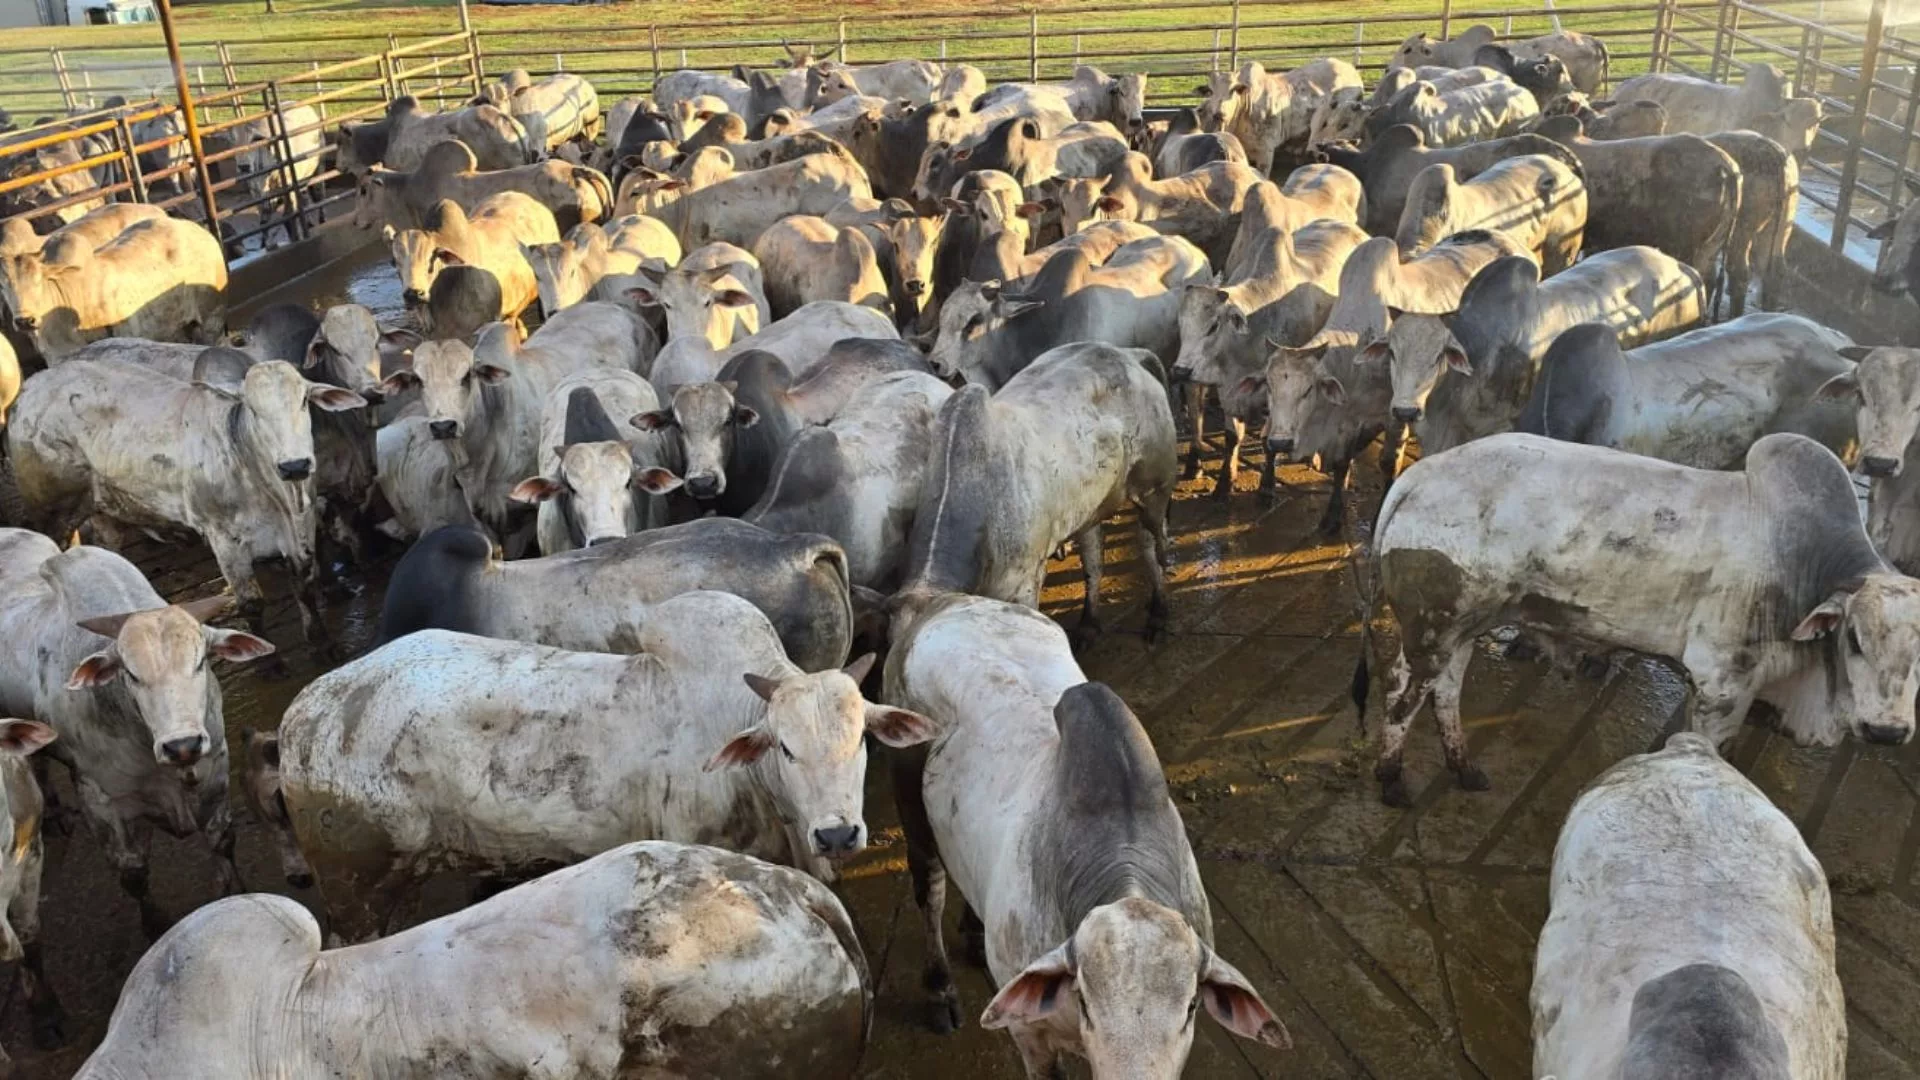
{"x":1885,"y":389}
{"x":574,"y":269}
{"x":718,"y":293}
{"x":739,"y":208}
{"x":1485,"y":110}
{"x":400,"y":139}
{"x":912,"y":81}
{"x":591,"y":459}
{"x":1684,"y":903}
{"x":1201,"y":207}
{"x":1655,"y":558}
{"x":806,"y":259}
{"x":1537,"y":200}
{"x":231,"y":463}
{"x":160,"y":278}
{"x":491,"y":238}
{"x":708,"y":734}
{"x":486,"y":401}
{"x":1269,"y":111}
{"x":1700,"y":399}
{"x":1763,"y":102}
{"x":591,"y":971}
{"x":415,"y":472}
{"x":800,"y":340}
{"x":89,"y":649}
{"x":1311,"y":193}
{"x":1044,"y":801}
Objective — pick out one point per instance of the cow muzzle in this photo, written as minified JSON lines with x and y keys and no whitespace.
{"x":413,"y":297}
{"x":26,"y":324}
{"x":1134,"y":122}
{"x":915,"y":288}
{"x":1280,"y":444}
{"x":704,"y":486}
{"x":837,"y":841}
{"x":1406,"y":414}
{"x":182,"y":752}
{"x":1180,"y":375}
{"x":598,"y":540}
{"x":296,"y":470}
{"x":1885,"y":734}
{"x":444,"y":429}
{"x":1880,"y":467}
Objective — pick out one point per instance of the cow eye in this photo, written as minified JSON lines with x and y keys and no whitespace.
{"x":1853,"y":642}
{"x":1081,"y":1000}
{"x":202,"y":665}
{"x":787,"y":752}
{"x":467,"y":379}
{"x":131,"y":677}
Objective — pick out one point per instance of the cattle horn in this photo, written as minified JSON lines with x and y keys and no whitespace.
{"x":107,"y":626}
{"x":857,"y":671}
{"x":206,"y":607}
{"x":761,"y":685}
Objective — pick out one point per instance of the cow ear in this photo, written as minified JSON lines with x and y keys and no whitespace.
{"x":399,"y":382}
{"x":1824,"y":619}
{"x":1033,"y":994}
{"x":1841,"y":387}
{"x":535,"y":489}
{"x":655,"y":480}
{"x":744,"y":417}
{"x":96,"y":670}
{"x":1030,"y":209}
{"x":1234,"y":1003}
{"x":1251,"y":385}
{"x":1375,"y":352}
{"x":656,"y":420}
{"x":400,"y":339}
{"x":448,"y":257}
{"x":734,"y":298}
{"x":236,"y":645}
{"x":899,"y":728}
{"x":1855,"y":353}
{"x":23,"y":737}
{"x":743,"y":749}
{"x":643,"y":296}
{"x":1331,"y":386}
{"x":1110,"y":203}
{"x":334,"y":398}
{"x":492,"y":374}
{"x":1456,"y":359}
{"x":1883,"y":230}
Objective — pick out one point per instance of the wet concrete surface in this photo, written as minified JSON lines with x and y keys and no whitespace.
{"x":1392,"y":944}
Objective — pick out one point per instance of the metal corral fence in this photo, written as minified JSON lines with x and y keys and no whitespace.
{"x":1860,"y":172}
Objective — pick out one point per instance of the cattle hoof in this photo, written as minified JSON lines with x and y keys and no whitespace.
{"x":1269,"y":496}
{"x":946,"y":1015}
{"x":1394,"y":793}
{"x":1471,"y":778}
{"x":1086,"y":633}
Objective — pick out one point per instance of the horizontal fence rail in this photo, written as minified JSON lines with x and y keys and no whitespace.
{"x":111,"y":111}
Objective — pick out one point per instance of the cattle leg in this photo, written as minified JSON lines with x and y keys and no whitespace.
{"x":1336,"y":499}
{"x":1037,"y":1055}
{"x":1091,"y":543}
{"x":1154,"y":553}
{"x":1413,"y":679}
{"x":46,"y":1017}
{"x":1720,"y":700}
{"x":929,"y":875}
{"x":126,"y":843}
{"x":1230,"y":467}
{"x":1739,"y":279}
{"x":1194,"y":397}
{"x":973,"y":935}
{"x":1446,"y":711}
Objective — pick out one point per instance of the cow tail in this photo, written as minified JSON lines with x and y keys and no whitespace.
{"x":1730,"y":194}
{"x":1364,"y":573}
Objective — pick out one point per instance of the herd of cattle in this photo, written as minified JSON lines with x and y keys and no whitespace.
{"x":829,"y":361}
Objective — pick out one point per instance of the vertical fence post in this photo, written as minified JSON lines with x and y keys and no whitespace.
{"x":136,"y":183}
{"x":841,"y":27}
{"x":319,"y":88}
{"x":387,"y":85}
{"x":1862,"y":104}
{"x":296,"y":223}
{"x":653,"y":38}
{"x":1717,"y":63}
{"x":189,"y":119}
{"x":473,"y":46}
{"x":1033,"y":44}
{"x":399,"y":88}
{"x":1233,"y":40}
{"x":1800,"y":61}
{"x":1446,"y":19}
{"x":60,"y":75}
{"x":1662,"y":41}
{"x":232,"y":79}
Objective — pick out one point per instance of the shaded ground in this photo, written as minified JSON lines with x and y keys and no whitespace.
{"x":1393,"y":945}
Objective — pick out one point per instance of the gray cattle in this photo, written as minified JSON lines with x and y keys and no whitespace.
{"x":1270,"y":112}
{"x":88,"y":648}
{"x":1769,"y":200}
{"x":1388,"y":165}
{"x":576,"y":973}
{"x":1470,"y":378}
{"x":558,"y":108}
{"x":595,"y":263}
{"x":1067,"y":442}
{"x":1310,"y":193}
{"x":403,"y":198}
{"x":1711,"y":915}
{"x":230,"y":461}
{"x":416,"y":477}
{"x":1584,"y":55}
{"x":1885,"y":388}
{"x":859,"y":478}
{"x":1467,"y":114}
{"x":1657,"y":559}
{"x":989,"y":332}
{"x":461,"y":300}
{"x":1700,"y":399}
{"x":21,"y":810}
{"x":1897,"y":265}
{"x":731,"y":431}
{"x":591,"y":464}
{"x":1678,"y":193}
{"x":661,"y":744}
{"x":1763,"y":102}
{"x":1537,"y":200}
{"x":596,"y":599}
{"x":1098,"y":934}
{"x":400,"y":139}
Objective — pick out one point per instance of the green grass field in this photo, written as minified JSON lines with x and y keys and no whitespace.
{"x":613,"y":45}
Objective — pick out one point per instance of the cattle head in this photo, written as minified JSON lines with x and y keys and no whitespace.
{"x":1873,"y":628}
{"x":269,"y":417}
{"x":1416,"y":51}
{"x":698,"y":303}
{"x":158,"y":659}
{"x":1085,"y":201}
{"x":835,"y":83}
{"x":1341,"y":117}
{"x":707,"y":418}
{"x":596,"y":480}
{"x":1129,"y":94}
{"x":345,"y":351}
{"x":27,"y":288}
{"x":451,"y":382}
{"x":418,"y":257}
{"x":1132,"y":979}
{"x":975,"y":311}
{"x":381,"y":199}
{"x":260,"y":777}
{"x":1886,"y":387}
{"x":1899,"y":241}
{"x":1303,"y":396}
{"x":559,"y":272}
{"x":1204,"y":308}
{"x":811,"y":751}
{"x":20,"y":800}
{"x":1793,"y":125}
{"x":1418,"y":349}
{"x":916,"y":240}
